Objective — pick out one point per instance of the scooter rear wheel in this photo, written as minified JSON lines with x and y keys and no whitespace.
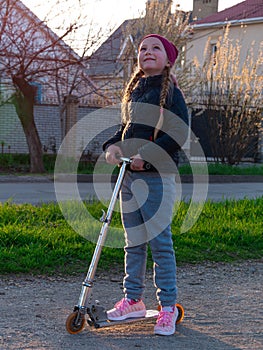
{"x":180,"y":316}
{"x":75,"y":322}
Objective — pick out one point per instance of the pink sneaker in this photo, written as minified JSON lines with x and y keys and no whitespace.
{"x":166,"y":321}
{"x":127,"y":309}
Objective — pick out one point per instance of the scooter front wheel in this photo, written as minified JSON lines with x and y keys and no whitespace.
{"x":75,"y":322}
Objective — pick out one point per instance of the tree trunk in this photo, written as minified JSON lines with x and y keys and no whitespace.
{"x":24,"y":104}
{"x":35,"y":148}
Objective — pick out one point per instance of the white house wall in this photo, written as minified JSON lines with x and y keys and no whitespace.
{"x":246,"y":34}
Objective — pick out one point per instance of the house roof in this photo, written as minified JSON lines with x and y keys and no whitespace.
{"x":106,"y":59}
{"x":244,"y":10}
{"x":42,"y":26}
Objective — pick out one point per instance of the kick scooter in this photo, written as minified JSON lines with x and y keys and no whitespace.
{"x":96,"y":314}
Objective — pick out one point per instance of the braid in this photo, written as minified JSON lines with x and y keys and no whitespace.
{"x":163,"y":96}
{"x":165,"y":86}
{"x":127,"y":94}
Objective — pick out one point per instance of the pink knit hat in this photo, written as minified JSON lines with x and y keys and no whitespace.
{"x":169,"y":47}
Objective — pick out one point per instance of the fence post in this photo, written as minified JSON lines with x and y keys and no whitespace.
{"x":71,"y":117}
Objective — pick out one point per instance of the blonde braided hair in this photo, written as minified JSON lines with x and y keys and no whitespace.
{"x":163,"y":95}
{"x":127,"y":94}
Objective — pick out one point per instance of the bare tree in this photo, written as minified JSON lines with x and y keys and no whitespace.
{"x":30,"y":52}
{"x":229,"y":92}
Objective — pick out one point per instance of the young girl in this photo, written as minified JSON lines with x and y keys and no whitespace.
{"x":154,"y":127}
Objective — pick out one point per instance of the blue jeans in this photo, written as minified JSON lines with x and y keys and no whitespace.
{"x":147,"y":202}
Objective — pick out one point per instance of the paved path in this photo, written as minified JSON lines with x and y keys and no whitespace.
{"x":223,"y":311}
{"x":38,"y":192}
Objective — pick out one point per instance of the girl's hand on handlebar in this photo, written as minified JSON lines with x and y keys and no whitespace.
{"x":137,"y":163}
{"x":113,"y":154}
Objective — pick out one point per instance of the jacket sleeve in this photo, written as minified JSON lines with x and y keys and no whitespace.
{"x":115,"y":138}
{"x":174,"y":131}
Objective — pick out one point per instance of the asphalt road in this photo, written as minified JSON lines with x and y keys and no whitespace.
{"x":44,"y":192}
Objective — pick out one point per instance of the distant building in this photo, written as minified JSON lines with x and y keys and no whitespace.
{"x":243,"y":24}
{"x":246,"y":25}
{"x":204,"y":8}
{"x":50,"y":64}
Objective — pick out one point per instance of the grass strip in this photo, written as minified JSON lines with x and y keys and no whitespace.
{"x":19,"y":163}
{"x":39,"y":240}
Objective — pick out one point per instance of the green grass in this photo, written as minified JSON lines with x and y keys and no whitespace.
{"x":223,"y":169}
{"x":39,"y":240}
{"x":19,"y":163}
{"x":225,"y":231}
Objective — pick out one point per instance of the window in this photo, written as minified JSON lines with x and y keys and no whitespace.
{"x":213,"y":52}
{"x":38,"y":97}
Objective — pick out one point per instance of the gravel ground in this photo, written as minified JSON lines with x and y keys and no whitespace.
{"x":223,"y":311}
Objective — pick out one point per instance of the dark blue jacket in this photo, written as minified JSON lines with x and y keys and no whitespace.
{"x":144,"y":113}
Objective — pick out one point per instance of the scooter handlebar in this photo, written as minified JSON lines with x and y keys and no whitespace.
{"x":125,"y":160}
{"x":147,"y":166}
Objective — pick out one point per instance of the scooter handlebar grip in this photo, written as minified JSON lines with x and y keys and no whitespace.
{"x":147,"y":166}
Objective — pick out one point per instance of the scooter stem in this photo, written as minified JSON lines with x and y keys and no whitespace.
{"x":88,"y":282}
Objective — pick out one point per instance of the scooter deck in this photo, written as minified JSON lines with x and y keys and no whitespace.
{"x":149,"y":314}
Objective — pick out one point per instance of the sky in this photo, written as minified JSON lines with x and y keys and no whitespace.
{"x":104,"y":14}
{"x":116,"y":10}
